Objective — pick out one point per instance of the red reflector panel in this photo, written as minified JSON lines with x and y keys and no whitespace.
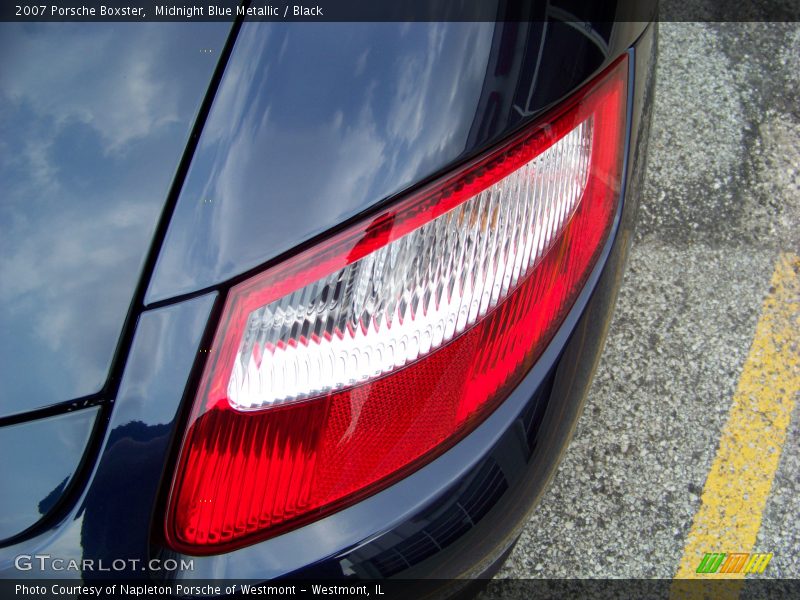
{"x":353,"y":363}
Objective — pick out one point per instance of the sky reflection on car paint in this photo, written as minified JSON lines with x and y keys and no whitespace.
{"x":93,"y":121}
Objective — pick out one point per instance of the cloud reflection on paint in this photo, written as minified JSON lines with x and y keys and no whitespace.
{"x":312,"y":123}
{"x":93,"y":121}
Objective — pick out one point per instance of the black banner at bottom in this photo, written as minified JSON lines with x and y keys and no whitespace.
{"x":521,"y":589}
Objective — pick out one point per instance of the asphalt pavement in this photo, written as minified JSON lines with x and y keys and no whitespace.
{"x":721,"y":210}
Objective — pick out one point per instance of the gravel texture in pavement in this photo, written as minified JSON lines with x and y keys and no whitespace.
{"x":722,"y":201}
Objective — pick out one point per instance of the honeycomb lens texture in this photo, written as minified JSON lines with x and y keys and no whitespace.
{"x":351,"y":364}
{"x":408,"y":298}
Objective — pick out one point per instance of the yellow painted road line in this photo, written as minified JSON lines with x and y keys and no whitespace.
{"x":741,"y":475}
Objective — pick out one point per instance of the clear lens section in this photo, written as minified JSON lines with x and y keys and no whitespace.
{"x":409,"y":297}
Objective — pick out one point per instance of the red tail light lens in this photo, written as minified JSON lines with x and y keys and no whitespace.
{"x":353,"y":363}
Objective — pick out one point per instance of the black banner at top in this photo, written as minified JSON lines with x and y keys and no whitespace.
{"x":394,"y":10}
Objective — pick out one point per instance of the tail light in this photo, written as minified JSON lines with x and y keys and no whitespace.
{"x":358,"y":360}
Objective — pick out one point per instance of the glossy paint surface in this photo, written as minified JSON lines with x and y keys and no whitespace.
{"x":510,"y":456}
{"x":315,"y":123}
{"x":94,"y":119}
{"x":110,"y":516}
{"x":39,"y":459}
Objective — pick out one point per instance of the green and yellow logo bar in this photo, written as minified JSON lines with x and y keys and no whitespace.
{"x":736,"y":562}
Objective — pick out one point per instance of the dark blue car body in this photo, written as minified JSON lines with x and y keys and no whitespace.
{"x":122,"y":241}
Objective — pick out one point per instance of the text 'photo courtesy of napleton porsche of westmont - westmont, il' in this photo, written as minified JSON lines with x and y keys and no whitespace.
{"x":493,"y":299}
